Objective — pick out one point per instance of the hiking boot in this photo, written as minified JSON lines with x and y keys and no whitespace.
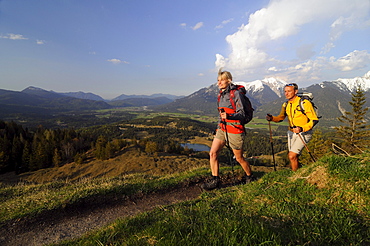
{"x":212,"y":184}
{"x":248,"y":179}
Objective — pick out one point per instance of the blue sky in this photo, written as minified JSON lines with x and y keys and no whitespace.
{"x":114,"y":47}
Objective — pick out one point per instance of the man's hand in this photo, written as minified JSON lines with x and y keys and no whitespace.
{"x":269,"y":117}
{"x":297,"y":129}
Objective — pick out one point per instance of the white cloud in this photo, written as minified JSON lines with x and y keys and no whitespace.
{"x":40,"y":42}
{"x":282,"y":19}
{"x":197,"y":26}
{"x":117,"y":61}
{"x":353,"y":61}
{"x":13,"y":36}
{"x":357,"y":18}
{"x":183,"y":25}
{"x":223,"y":23}
{"x":200,"y":74}
{"x":327,"y":48}
{"x":313,"y":70}
{"x":220,"y":61}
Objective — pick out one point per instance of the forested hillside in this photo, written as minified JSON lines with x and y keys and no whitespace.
{"x":23,"y":150}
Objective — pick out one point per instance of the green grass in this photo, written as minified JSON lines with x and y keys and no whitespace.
{"x":24,"y":200}
{"x":282,"y":208}
{"x":324,"y":203}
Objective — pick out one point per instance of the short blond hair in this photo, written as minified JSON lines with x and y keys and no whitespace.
{"x":225,"y":74}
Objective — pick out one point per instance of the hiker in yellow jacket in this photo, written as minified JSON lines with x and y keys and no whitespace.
{"x":301,"y":121}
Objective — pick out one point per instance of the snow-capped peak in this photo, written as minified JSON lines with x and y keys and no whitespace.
{"x":276,"y":85}
{"x":367,"y":75}
{"x":353,"y":84}
{"x":253,"y":86}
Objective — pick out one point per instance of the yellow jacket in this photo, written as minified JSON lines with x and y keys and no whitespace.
{"x":296,"y":117}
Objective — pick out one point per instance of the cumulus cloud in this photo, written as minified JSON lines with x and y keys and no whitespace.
{"x":284,"y":19}
{"x":117,"y":61}
{"x":13,"y":36}
{"x":354,"y":60}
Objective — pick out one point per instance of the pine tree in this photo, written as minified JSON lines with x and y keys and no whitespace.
{"x":355,"y":131}
{"x":16,"y":154}
{"x":109,"y":150}
{"x":26,"y":157}
{"x":56,"y":158}
{"x":100,"y":148}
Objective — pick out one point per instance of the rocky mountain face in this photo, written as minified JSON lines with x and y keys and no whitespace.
{"x":267,"y":96}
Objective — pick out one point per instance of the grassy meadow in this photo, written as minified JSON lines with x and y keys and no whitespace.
{"x":324,"y":203}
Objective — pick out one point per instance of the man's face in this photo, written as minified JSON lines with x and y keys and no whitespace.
{"x":289,"y":92}
{"x":222,"y":83}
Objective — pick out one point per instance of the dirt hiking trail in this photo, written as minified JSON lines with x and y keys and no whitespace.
{"x":72,"y":222}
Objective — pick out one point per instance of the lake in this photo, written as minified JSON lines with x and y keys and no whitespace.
{"x":196,"y":147}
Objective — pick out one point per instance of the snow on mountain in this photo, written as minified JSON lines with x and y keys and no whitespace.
{"x":253,"y":87}
{"x":352,"y":84}
{"x":277,"y":85}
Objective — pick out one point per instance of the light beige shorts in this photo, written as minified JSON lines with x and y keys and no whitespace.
{"x":235,"y":140}
{"x":295,"y":143}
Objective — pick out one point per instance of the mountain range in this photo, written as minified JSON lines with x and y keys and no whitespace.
{"x":267,"y":95}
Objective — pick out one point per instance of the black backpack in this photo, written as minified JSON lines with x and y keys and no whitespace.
{"x":247,"y":105}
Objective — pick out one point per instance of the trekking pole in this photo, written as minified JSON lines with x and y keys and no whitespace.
{"x":272,"y":146}
{"x":305,"y":145}
{"x":229,"y":148}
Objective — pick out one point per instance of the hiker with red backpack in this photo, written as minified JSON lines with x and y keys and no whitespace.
{"x":301,"y":117}
{"x":234,"y":111}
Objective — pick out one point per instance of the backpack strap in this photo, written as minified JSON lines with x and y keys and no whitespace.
{"x":232,"y":96}
{"x":301,"y":106}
